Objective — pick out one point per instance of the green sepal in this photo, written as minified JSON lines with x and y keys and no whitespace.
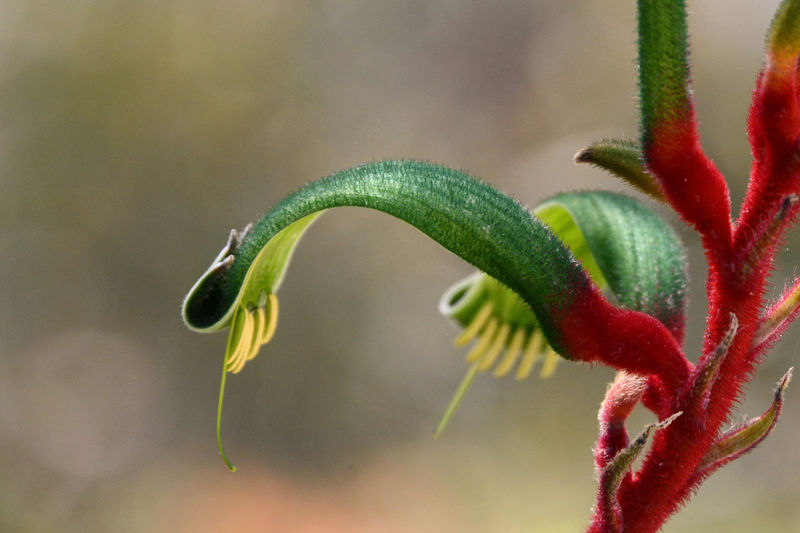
{"x":269,"y":267}
{"x":612,"y":475}
{"x":622,"y":158}
{"x":663,"y":62}
{"x":738,"y":441}
{"x":784,"y":33}
{"x":575,"y":233}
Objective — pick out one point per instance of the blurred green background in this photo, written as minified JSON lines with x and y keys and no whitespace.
{"x":134,"y":135}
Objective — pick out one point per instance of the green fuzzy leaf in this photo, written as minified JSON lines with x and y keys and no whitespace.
{"x":663,"y":62}
{"x":613,"y":473}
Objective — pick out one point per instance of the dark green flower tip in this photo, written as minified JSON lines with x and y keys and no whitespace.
{"x":783,"y":39}
{"x":663,"y":64}
{"x":623,"y":159}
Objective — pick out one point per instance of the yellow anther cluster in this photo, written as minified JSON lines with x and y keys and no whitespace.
{"x":521,"y":345}
{"x":257,"y":328}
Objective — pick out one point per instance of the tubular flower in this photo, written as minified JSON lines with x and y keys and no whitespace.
{"x":505,"y":330}
{"x":544,"y":273}
{"x":500,"y":320}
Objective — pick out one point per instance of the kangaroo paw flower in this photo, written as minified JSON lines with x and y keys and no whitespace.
{"x":504,"y":332}
{"x":549,"y":271}
{"x":500,"y":322}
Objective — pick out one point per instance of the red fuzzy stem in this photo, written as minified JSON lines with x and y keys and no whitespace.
{"x":735,"y":285}
{"x":774,"y":130}
{"x":666,"y":478}
{"x":692,"y":183}
{"x":635,"y":342}
{"x":739,"y":264}
{"x":660,"y":486}
{"x":697,"y":191}
{"x":621,"y":397}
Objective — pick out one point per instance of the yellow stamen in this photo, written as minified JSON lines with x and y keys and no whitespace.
{"x":239,"y":357}
{"x":260,"y":321}
{"x":483,"y":343}
{"x":494,"y":350}
{"x":476,"y":325}
{"x":549,"y":364}
{"x":512,"y":354}
{"x":530,"y":356}
{"x":235,"y":334}
{"x":272,"y":318}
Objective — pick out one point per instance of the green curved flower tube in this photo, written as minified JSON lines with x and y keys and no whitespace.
{"x":476,"y":222}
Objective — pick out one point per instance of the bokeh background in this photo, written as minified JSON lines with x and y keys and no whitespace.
{"x":134,"y":135}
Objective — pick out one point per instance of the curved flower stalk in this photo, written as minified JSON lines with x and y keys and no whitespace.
{"x":592,"y":277}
